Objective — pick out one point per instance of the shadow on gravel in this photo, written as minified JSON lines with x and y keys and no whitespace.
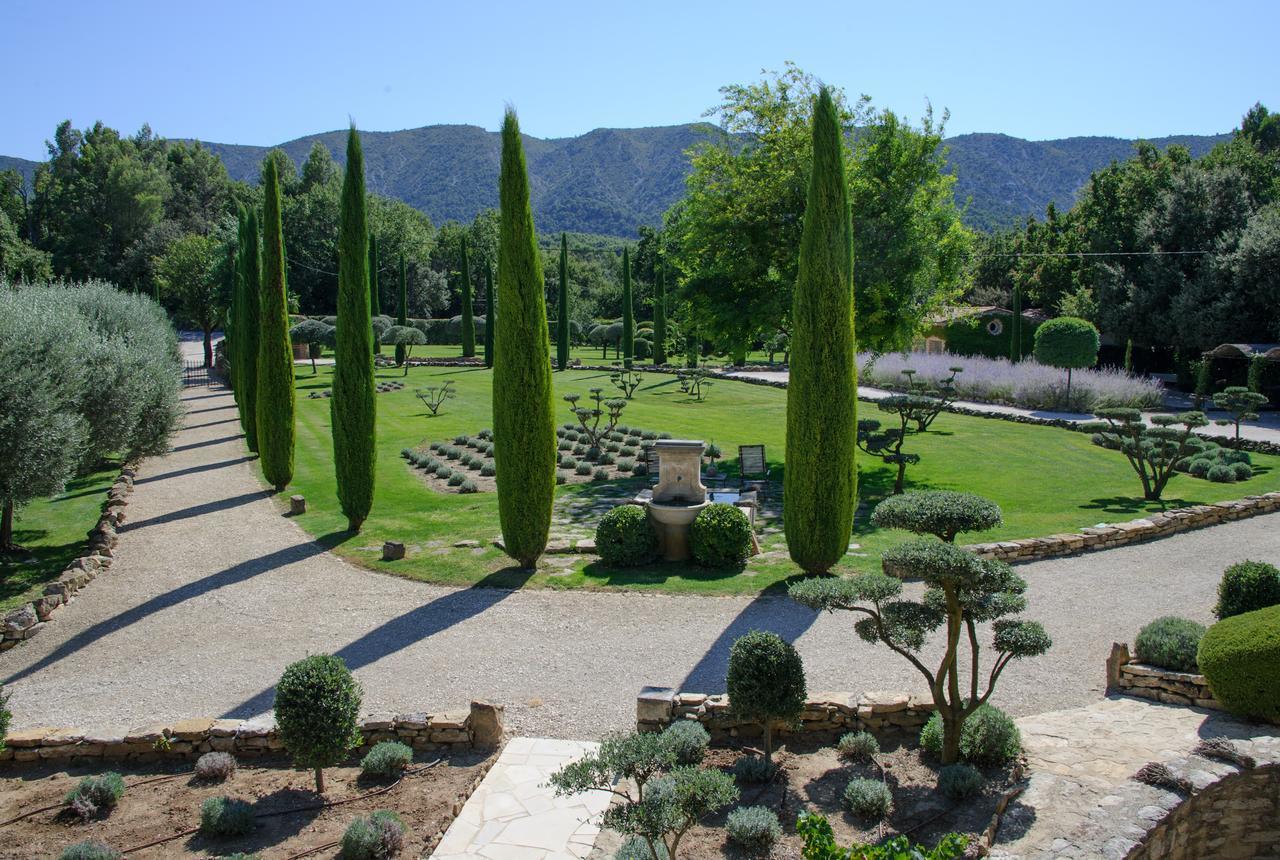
{"x":208,"y":442}
{"x":192,"y":470}
{"x":231,"y":576}
{"x":198,"y":510}
{"x":412,"y":627}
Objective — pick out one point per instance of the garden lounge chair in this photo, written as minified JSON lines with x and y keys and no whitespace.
{"x":753,"y":469}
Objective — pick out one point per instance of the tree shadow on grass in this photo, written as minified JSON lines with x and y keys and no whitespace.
{"x":1131,"y":505}
{"x":421,"y":622}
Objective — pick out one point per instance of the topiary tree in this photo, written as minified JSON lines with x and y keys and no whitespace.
{"x":1241,"y":403}
{"x":317,"y":711}
{"x":1068,"y":343}
{"x":523,"y":424}
{"x":961,"y":591}
{"x":249,"y":276}
{"x":765,"y":682}
{"x":275,"y":358}
{"x":353,"y":408}
{"x":562,"y":306}
{"x":1240,"y":658}
{"x":404,"y":337}
{"x":468,"y":306}
{"x":490,"y":315}
{"x":1156,"y":451}
{"x":402,"y":311}
{"x":1247,"y":587}
{"x":911,"y":410}
{"x":313,"y":333}
{"x":628,"y":312}
{"x":625,"y":537}
{"x":660,"y":314}
{"x":820,"y":484}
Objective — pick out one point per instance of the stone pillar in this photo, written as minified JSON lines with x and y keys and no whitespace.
{"x":485,"y":724}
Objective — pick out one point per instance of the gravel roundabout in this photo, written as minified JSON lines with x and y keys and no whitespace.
{"x":213,"y":592}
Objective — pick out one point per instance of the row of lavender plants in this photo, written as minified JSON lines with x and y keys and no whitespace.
{"x":1026,"y":384}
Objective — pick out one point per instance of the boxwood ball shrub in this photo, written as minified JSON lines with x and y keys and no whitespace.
{"x":755,"y":829}
{"x":376,"y":836}
{"x":988,"y":737}
{"x":765,"y":682}
{"x":688,"y":740}
{"x":1240,"y":657}
{"x":861,"y":747}
{"x":90,"y":849}
{"x":1170,"y":643}
{"x":317,"y":708}
{"x":225,"y":816}
{"x":387,"y":759}
{"x":720,"y":536}
{"x":869,"y":799}
{"x":960,"y":781}
{"x":95,"y":795}
{"x":1245,"y":587}
{"x":625,"y":537}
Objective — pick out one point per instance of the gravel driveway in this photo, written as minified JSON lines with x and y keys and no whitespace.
{"x":213,"y":592}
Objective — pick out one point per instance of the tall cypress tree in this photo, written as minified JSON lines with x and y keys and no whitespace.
{"x":251,"y":326}
{"x":490,"y":315}
{"x":275,"y":357}
{"x":468,"y":307}
{"x":232,"y":339}
{"x":523,"y":420}
{"x":820,"y":481}
{"x":1015,"y":326}
{"x":660,"y":313}
{"x":375,"y":308}
{"x":353,"y":408}
{"x":562,"y":310}
{"x":402,"y":313}
{"x":628,"y":313}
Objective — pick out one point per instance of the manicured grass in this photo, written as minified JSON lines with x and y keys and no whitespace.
{"x":1046,"y":480}
{"x":53,"y":532}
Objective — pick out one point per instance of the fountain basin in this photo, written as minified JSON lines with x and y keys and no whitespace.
{"x":671,"y":520}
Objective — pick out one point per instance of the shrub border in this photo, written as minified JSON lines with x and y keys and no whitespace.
{"x":29,"y":619}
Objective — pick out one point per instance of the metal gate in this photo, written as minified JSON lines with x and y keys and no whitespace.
{"x":194,"y":373}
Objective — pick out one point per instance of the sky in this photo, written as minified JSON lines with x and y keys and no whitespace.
{"x":268,"y":71}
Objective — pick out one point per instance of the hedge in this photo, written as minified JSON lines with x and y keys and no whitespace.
{"x":1240,"y":657}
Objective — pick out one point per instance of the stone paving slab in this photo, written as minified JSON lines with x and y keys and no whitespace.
{"x":515,"y":815}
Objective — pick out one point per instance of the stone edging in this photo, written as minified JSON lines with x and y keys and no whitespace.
{"x":1126,"y":676}
{"x":1134,"y":531}
{"x":480,"y":727}
{"x":29,"y":619}
{"x":827,"y":712}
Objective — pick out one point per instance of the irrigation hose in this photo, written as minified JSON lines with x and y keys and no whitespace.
{"x":59,"y":805}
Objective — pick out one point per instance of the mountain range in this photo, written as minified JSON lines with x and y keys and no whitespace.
{"x":611,"y":180}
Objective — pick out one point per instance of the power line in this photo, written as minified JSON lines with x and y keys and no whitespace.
{"x":1102,"y":254}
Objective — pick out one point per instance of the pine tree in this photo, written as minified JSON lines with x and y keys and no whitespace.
{"x":402,"y":314}
{"x":820,"y":482}
{"x":562,"y":311}
{"x":250,"y":265}
{"x":374,"y":308}
{"x":490,"y":315}
{"x":523,"y":420}
{"x":628,"y":313}
{"x":275,"y":356}
{"x":353,"y":408}
{"x":468,"y":309}
{"x":660,"y":314}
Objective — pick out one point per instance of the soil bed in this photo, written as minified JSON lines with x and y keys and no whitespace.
{"x":812,"y":777}
{"x":154,"y":808}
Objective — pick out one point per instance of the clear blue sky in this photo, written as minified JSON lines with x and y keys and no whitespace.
{"x":264,"y":72}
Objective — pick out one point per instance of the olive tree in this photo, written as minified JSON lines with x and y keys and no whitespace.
{"x":961,"y":592}
{"x":1069,"y":343}
{"x":912,"y":410}
{"x":1156,"y":451}
{"x":404,"y":338}
{"x":1241,"y":403}
{"x":765,"y":682}
{"x":317,"y":712}
{"x":314,"y":334}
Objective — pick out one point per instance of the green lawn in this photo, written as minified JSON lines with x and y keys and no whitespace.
{"x":586,"y":354}
{"x":53,"y":532}
{"x":1047,"y":480}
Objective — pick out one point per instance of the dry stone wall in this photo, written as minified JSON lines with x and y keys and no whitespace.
{"x":1236,"y":818}
{"x":824,"y":713}
{"x":1127,"y":676}
{"x":29,"y":619}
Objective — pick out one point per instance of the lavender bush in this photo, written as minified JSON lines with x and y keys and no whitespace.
{"x":1026,"y":384}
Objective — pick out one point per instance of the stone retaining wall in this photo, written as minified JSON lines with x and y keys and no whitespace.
{"x":1126,"y":676}
{"x":1236,"y":817}
{"x":827,"y":712}
{"x":29,"y":619}
{"x":480,"y":727}
{"x":1134,"y":531}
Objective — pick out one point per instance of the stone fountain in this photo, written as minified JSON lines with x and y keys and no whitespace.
{"x":679,"y":496}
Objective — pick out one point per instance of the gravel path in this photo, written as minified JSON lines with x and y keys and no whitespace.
{"x":213,"y":592}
